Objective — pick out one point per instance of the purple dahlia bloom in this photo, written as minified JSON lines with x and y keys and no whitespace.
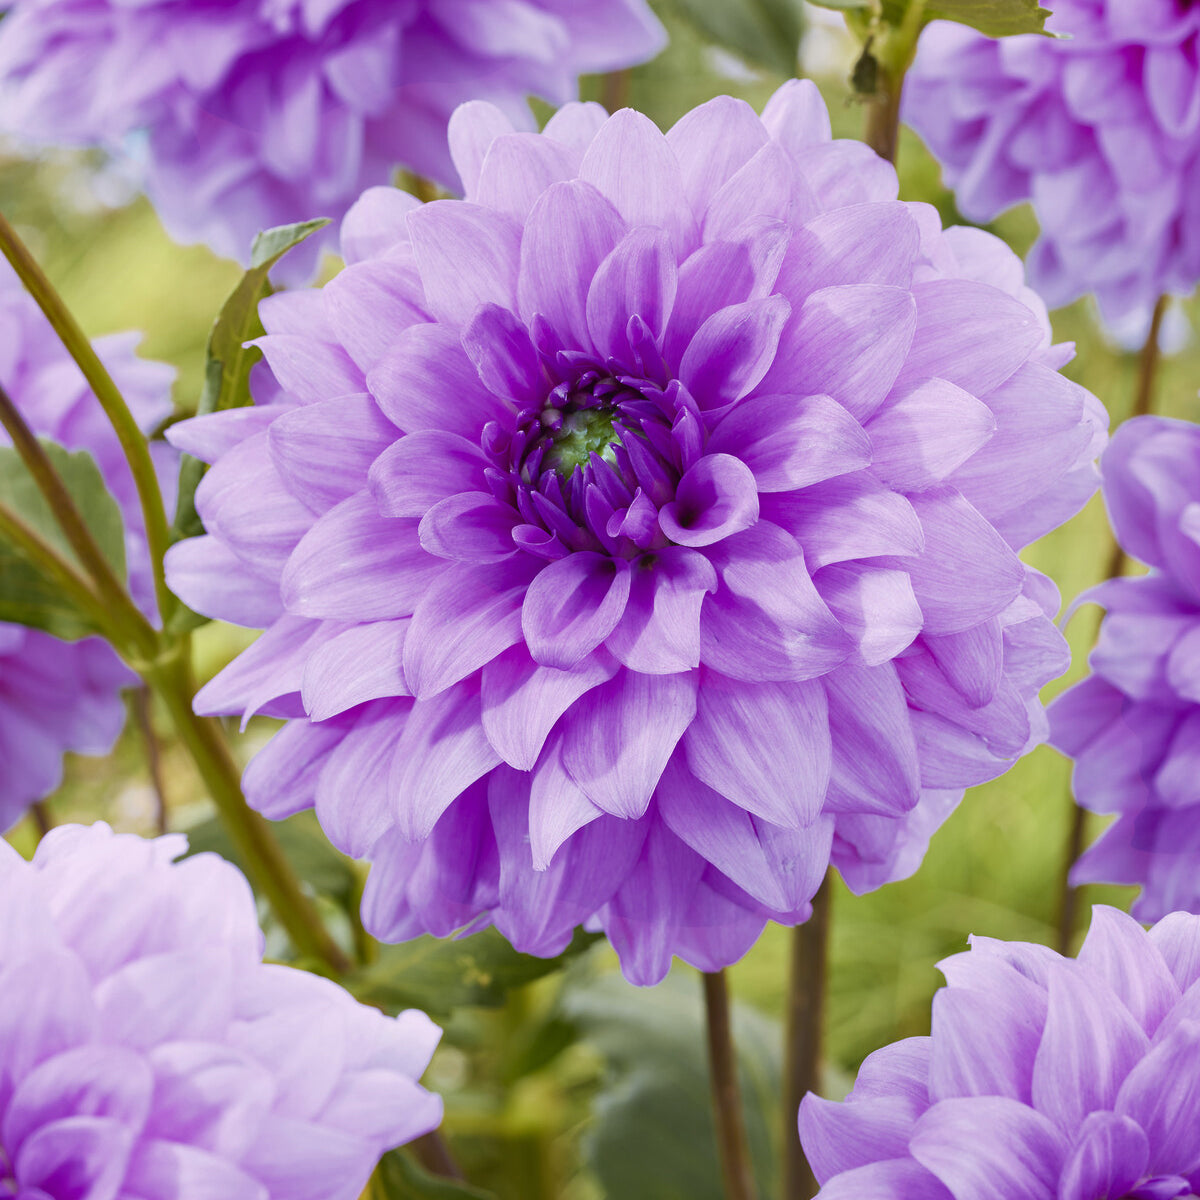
{"x":1133,"y":726}
{"x":148,"y":1053}
{"x":1100,"y":129}
{"x":57,"y":696}
{"x":253,"y":113}
{"x":1045,"y":1078}
{"x":638,"y":535}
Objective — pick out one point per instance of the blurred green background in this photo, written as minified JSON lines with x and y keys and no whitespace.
{"x":519,"y":1091}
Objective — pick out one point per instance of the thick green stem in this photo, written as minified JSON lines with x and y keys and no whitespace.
{"x":266,"y":864}
{"x":136,"y":634}
{"x":802,"y":1040}
{"x":732,"y":1147}
{"x":1143,"y":405}
{"x":133,"y":443}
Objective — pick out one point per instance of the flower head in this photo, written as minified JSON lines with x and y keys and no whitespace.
{"x":638,"y":535}
{"x":1045,"y":1078}
{"x":254,"y":113}
{"x":146,"y":1050}
{"x":1133,"y":726}
{"x":57,"y":696}
{"x":1100,"y":129}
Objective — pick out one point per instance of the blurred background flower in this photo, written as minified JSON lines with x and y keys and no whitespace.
{"x":258,"y":113}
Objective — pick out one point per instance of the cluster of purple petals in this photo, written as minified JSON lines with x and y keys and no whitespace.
{"x":1044,"y":1078}
{"x":1100,"y":128}
{"x":148,"y":1053}
{"x":1133,"y":726}
{"x":638,"y":535}
{"x":57,"y":696}
{"x":253,"y":113}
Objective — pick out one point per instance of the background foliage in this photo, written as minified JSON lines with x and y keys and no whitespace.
{"x":528,"y":1056}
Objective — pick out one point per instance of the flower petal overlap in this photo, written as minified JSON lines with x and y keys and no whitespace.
{"x":147,"y":1050}
{"x":1045,"y":1078}
{"x":638,"y":536}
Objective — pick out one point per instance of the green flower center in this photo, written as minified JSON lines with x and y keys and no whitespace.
{"x":575,"y":436}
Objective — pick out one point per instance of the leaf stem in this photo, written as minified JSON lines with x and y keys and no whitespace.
{"x":135,"y":631}
{"x":133,"y":443}
{"x":802,"y":1041}
{"x":31,"y":544}
{"x":726,"y":1095}
{"x":1143,"y":404}
{"x":266,"y":864}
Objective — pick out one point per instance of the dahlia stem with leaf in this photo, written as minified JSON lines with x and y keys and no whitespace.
{"x":161,"y":658}
{"x":1143,"y":404}
{"x":133,"y":443}
{"x":732,"y":1146}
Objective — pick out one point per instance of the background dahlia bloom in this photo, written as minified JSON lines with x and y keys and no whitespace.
{"x":1045,"y":1078}
{"x":254,"y":113}
{"x":147,"y":1051}
{"x":1133,"y":726}
{"x":1100,"y":129}
{"x":638,"y":535}
{"x":57,"y":696}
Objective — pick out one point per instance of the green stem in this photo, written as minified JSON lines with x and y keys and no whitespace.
{"x":266,"y":864}
{"x":726,"y":1095}
{"x":1143,"y":404}
{"x":804,"y":1020}
{"x":133,"y":443}
{"x":135,"y":632}
{"x":434,"y":1155}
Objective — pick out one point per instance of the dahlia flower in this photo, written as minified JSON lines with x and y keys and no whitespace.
{"x":638,"y":535}
{"x":1133,"y":726}
{"x":1045,"y":1078}
{"x":147,"y":1051}
{"x":1099,"y":128}
{"x":57,"y":696}
{"x":251,"y":113}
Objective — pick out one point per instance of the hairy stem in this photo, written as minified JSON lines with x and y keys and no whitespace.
{"x":133,"y":443}
{"x":726,"y":1095}
{"x":265,"y":862}
{"x":802,"y":1042}
{"x":136,"y":633}
{"x":1143,"y":405}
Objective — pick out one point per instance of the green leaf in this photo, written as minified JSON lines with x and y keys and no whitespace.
{"x":996,"y":18}
{"x":27,"y":597}
{"x":307,"y":849}
{"x":400,"y":1178}
{"x":442,"y":974}
{"x":766,"y":33}
{"x":652,"y":1136}
{"x":229,"y":359}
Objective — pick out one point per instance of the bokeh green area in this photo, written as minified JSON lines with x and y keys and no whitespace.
{"x":520,"y":1096}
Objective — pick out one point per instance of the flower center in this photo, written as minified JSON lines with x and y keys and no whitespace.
{"x":575,"y":435}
